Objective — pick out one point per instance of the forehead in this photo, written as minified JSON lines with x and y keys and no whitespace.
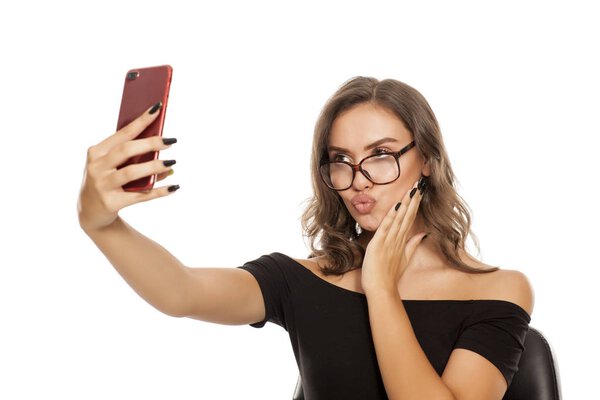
{"x":364,"y":124}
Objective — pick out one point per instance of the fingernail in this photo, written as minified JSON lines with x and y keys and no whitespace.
{"x":155,"y":107}
{"x":425,"y":237}
{"x":412,"y":192}
{"x":168,"y":163}
{"x":169,"y":140}
{"x":171,"y":172}
{"x":397,"y":206}
{"x":173,"y":188}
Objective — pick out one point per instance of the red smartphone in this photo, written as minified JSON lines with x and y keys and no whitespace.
{"x":143,"y":88}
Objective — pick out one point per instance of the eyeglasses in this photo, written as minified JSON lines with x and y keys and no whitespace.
{"x":380,"y":169}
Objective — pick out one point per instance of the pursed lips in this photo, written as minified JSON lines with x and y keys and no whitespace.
{"x":363,"y":203}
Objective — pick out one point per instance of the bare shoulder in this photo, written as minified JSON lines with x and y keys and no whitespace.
{"x":504,"y":284}
{"x":513,"y":286}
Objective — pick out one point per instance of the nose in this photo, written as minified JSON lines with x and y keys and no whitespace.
{"x":360,"y":181}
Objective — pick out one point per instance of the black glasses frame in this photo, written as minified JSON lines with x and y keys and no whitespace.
{"x":358,"y":167}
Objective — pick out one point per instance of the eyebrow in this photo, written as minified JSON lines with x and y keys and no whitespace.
{"x":368,"y":147}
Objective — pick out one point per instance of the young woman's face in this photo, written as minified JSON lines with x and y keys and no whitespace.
{"x":364,"y":130}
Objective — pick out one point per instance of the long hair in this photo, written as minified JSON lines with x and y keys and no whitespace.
{"x":326,"y":221}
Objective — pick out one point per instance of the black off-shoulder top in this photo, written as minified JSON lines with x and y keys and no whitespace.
{"x":331,"y":337}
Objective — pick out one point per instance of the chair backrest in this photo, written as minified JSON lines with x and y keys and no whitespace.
{"x":536,"y":379}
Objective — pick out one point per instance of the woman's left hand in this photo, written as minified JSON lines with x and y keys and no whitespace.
{"x":390,"y":250}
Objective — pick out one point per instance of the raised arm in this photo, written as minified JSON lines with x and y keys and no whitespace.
{"x":221,"y":295}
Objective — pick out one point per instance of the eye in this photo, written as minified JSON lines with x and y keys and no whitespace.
{"x":381,"y":150}
{"x":340,"y":157}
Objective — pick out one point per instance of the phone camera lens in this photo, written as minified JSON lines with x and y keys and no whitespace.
{"x":132,"y":75}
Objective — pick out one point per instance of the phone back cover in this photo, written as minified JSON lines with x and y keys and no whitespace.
{"x":150,"y":86}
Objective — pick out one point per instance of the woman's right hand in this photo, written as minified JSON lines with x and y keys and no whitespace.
{"x":102,"y":195}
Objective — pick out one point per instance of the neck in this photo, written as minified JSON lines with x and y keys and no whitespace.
{"x":365,"y":237}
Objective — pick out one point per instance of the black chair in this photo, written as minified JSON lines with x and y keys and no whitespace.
{"x":537,"y":378}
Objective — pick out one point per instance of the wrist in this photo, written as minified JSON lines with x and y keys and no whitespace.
{"x":95,"y":229}
{"x":388,"y":292}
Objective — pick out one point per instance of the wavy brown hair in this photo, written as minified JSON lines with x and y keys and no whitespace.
{"x":326,"y":221}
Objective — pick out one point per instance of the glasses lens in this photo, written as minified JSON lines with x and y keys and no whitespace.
{"x":337,"y":175}
{"x":381,"y":169}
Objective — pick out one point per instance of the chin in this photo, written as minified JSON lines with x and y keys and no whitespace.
{"x":368,"y":222}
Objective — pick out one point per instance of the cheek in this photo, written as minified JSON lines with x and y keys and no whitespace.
{"x":347,"y":203}
{"x":349,"y":207}
{"x":396,"y":193}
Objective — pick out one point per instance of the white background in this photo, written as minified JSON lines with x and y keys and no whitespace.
{"x":515,"y":88}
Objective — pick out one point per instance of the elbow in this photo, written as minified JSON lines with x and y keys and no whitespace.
{"x":175,"y":301}
{"x":429,"y":396}
{"x":173,"y":307}
{"x":449,"y":396}
{"x":173,"y":312}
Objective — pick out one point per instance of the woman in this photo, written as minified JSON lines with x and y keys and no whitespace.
{"x":390,"y":304}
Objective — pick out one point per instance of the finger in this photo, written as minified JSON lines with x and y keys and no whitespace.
{"x":140,"y":197}
{"x":126,"y":150}
{"x":395,"y":234}
{"x":384,"y":226}
{"x":142,"y":170}
{"x":411,"y":212}
{"x":164,"y":175}
{"x":131,"y":130}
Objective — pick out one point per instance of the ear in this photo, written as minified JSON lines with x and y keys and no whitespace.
{"x":426,"y":170}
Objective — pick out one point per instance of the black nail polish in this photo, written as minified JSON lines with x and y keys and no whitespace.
{"x":412,"y":192}
{"x":168,"y":163}
{"x":173,"y":188}
{"x":397,"y":206}
{"x":422,"y":185}
{"x":155,"y":108}
{"x":169,"y":140}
